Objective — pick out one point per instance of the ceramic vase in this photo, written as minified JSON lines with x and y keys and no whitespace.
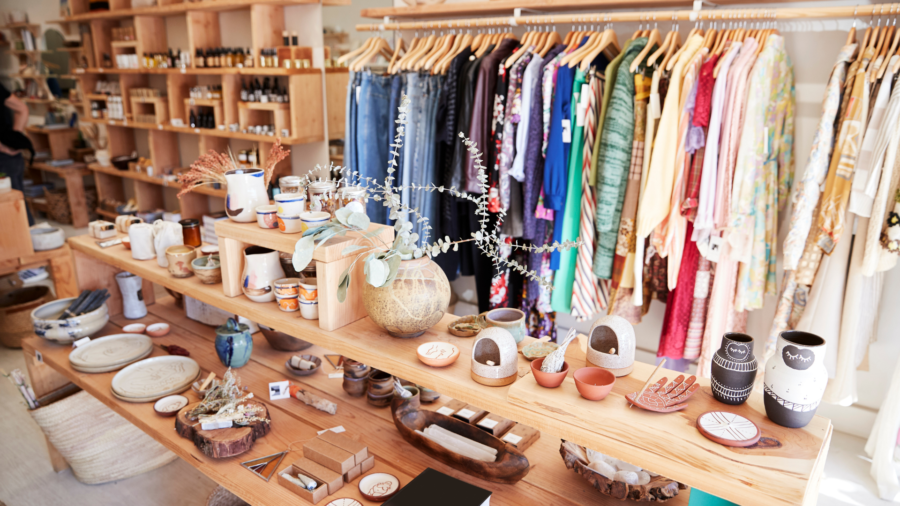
{"x":733,"y":369}
{"x":234,"y":344}
{"x":246,"y":191}
{"x":261,"y":269}
{"x":132,"y":296}
{"x":795,"y":379}
{"x":415,"y":301}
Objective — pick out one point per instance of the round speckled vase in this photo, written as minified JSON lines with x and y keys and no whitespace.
{"x":733,"y":369}
{"x":413,"y":303}
{"x":795,"y":379}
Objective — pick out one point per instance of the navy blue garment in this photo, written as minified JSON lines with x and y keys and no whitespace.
{"x":556,"y":167}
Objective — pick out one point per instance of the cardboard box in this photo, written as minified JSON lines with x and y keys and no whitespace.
{"x":359,"y":450}
{"x":330,"y":456}
{"x":367,"y":464}
{"x":353,"y":473}
{"x":331,"y":479}
{"x":314,"y":497}
{"x":494,"y":424}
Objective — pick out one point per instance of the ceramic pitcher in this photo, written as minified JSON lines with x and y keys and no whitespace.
{"x":795,"y":379}
{"x":733,"y":369}
{"x":246,"y":191}
{"x":261,"y":268}
{"x":132,"y":296}
{"x":234,"y":344}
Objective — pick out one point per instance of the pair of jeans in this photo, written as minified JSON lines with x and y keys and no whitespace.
{"x":350,"y":123}
{"x":372,"y":130}
{"x":412,"y":140}
{"x":14,"y":168}
{"x":425,"y":164}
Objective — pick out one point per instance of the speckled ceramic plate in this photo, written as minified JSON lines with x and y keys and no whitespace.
{"x":114,"y":350}
{"x":538,"y":349}
{"x":156,"y":377}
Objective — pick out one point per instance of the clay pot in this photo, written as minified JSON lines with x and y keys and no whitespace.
{"x":234,"y":344}
{"x":594,"y":384}
{"x":415,"y":301}
{"x":795,"y":379}
{"x":548,"y":379}
{"x":355,"y":387}
{"x":208,"y":269}
{"x":283,"y":342}
{"x":733,"y":369}
{"x":15,"y":313}
{"x":354,"y":369}
{"x":380,"y":383}
{"x":380,"y":401}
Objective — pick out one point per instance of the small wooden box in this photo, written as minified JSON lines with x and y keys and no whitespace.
{"x":367,"y":465}
{"x":353,"y":473}
{"x":328,"y":455}
{"x":314,"y":497}
{"x":494,"y":424}
{"x":470,"y":414}
{"x":320,"y":473}
{"x":451,"y":407}
{"x":359,"y":450}
{"x":521,"y":436}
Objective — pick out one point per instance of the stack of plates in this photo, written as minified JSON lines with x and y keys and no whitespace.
{"x":110,"y":353}
{"x":155,"y":378}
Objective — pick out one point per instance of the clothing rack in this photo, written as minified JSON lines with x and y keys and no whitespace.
{"x":710,"y":15}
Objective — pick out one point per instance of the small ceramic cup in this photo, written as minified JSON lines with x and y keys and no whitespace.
{"x":309,"y":299}
{"x":380,"y":383}
{"x":208,"y":269}
{"x":288,"y":304}
{"x":180,"y":257}
{"x":314,"y":219}
{"x":290,"y":203}
{"x":510,"y":319}
{"x":289,"y":224}
{"x":287,"y":287}
{"x":265,"y":216}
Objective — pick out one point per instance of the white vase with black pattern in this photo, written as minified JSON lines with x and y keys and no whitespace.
{"x":795,"y":379}
{"x":733,"y":369}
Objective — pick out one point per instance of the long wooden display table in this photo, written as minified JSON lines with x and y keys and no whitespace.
{"x":787,"y":471}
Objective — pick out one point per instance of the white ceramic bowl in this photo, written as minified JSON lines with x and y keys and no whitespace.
{"x":43,"y":239}
{"x":290,"y":203}
{"x":68,"y":330}
{"x":314,"y":219}
{"x":289,"y":224}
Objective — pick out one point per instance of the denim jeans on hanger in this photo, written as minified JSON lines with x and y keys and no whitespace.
{"x":350,"y":124}
{"x":398,"y":88}
{"x":415,"y":131}
{"x":426,"y":161}
{"x":372,"y":129}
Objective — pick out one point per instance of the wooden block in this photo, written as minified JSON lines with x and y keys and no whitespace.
{"x":314,"y":497}
{"x":521,"y":436}
{"x":470,"y":414}
{"x":307,"y":109}
{"x":15,"y":241}
{"x":334,"y":481}
{"x":231,"y":253}
{"x":62,"y":270}
{"x":77,"y":201}
{"x":330,"y":456}
{"x":353,"y":473}
{"x":367,"y":464}
{"x":359,"y":450}
{"x":336,"y":101}
{"x":494,"y":424}
{"x":451,"y":407}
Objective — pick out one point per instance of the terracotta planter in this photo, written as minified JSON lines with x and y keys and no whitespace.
{"x":413,"y":303}
{"x":15,"y":313}
{"x":733,"y":369}
{"x":795,"y":379}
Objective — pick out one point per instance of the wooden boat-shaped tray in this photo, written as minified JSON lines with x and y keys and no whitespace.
{"x":510,"y":466}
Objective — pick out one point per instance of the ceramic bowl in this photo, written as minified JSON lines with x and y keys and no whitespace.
{"x":314,"y":219}
{"x":309,"y":298}
{"x":157,"y":329}
{"x":43,"y":239}
{"x":283,"y":342}
{"x":593,"y":383}
{"x":354,"y":369}
{"x":355,"y":387}
{"x":467,"y":326}
{"x":288,"y":304}
{"x":134,"y":328}
{"x":379,"y":401}
{"x":548,"y":379}
{"x":428,"y":395}
{"x":43,"y":318}
{"x":379,"y":487}
{"x":304,"y":372}
{"x":208,"y":269}
{"x":290,"y":203}
{"x":180,"y":257}
{"x":289,"y":223}
{"x":287,"y":287}
{"x":126,"y":241}
{"x":437,"y":354}
{"x":170,"y":406}
{"x":380,"y":383}
{"x":266,"y":216}
{"x":209,"y":249}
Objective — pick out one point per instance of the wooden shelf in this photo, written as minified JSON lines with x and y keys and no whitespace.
{"x":204,"y":102}
{"x":50,"y":131}
{"x":62,"y":170}
{"x":666,"y":444}
{"x":215,"y":132}
{"x":108,"y":214}
{"x":69,"y":49}
{"x":124,"y":43}
{"x":98,"y":96}
{"x":28,"y":51}
{"x":137,"y":176}
{"x":38,"y":100}
{"x":268,"y":106}
{"x":250,"y":71}
{"x":183,"y":7}
{"x":27,"y":26}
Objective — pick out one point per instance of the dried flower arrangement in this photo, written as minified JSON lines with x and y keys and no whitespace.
{"x":381,"y":266}
{"x":211,"y":168}
{"x":223,"y":402}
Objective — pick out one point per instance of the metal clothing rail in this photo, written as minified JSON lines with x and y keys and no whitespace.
{"x":762,"y":15}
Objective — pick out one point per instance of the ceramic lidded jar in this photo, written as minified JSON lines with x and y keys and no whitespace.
{"x":495,"y":357}
{"x":246,"y":191}
{"x":733,"y":369}
{"x":414,"y":302}
{"x":234,"y":343}
{"x":261,"y":268}
{"x":611,"y":345}
{"x":795,"y":379}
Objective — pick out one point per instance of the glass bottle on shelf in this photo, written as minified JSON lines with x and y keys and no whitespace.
{"x":248,"y":58}
{"x":193,"y":119}
{"x":274,"y":58}
{"x":199,"y":59}
{"x":244,"y":92}
{"x":229,"y":58}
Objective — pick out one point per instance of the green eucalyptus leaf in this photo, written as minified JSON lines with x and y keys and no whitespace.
{"x":378,"y":272}
{"x":343,"y":215}
{"x":352,"y":248}
{"x":303,"y":253}
{"x":343,"y":285}
{"x":393,"y":267}
{"x":358,"y":220}
{"x":323,"y":238}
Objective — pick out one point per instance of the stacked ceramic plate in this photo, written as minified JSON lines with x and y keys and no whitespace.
{"x":155,"y":378}
{"x":110,"y":353}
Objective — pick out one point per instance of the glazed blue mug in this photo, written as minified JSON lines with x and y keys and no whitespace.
{"x":234,"y":344}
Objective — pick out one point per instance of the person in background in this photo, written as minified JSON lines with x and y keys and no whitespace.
{"x":13,"y":118}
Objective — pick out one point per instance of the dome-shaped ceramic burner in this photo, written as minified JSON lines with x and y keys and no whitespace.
{"x":494,"y":357}
{"x":611,"y":345}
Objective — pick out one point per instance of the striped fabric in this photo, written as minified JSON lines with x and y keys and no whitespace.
{"x":589,"y":294}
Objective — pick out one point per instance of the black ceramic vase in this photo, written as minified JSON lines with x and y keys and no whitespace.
{"x":734,"y":369}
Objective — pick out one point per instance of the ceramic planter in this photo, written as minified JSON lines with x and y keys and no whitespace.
{"x":234,"y":344}
{"x":733,"y":369}
{"x":179,"y":258}
{"x":246,"y":191}
{"x":413,"y":303}
{"x":611,"y":345}
{"x":795,"y":379}
{"x":261,"y":269}
{"x":265,"y":216}
{"x":380,"y":383}
{"x":132,"y":295}
{"x":355,"y":387}
{"x":208,"y":269}
{"x":354,"y":369}
{"x":309,"y":299}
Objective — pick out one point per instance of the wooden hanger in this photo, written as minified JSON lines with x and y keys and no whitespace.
{"x":553,"y":39}
{"x":524,"y":49}
{"x":462,"y":42}
{"x":891,"y":50}
{"x":449,"y":55}
{"x":373,"y":51}
{"x":395,"y":57}
{"x":414,"y":46}
{"x":661,"y":51}
{"x":654,"y":39}
{"x":709,"y":40}
{"x":428,"y":62}
{"x":358,"y":51}
{"x":675,"y":46}
{"x":574,"y":58}
{"x":671,"y":61}
{"x":608,"y":40}
{"x":423,"y":48}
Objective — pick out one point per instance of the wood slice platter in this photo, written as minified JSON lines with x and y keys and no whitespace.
{"x":728,"y":429}
{"x":222,"y":443}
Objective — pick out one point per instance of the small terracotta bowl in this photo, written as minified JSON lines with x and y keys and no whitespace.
{"x":548,"y":379}
{"x":437,"y":354}
{"x":157,"y":329}
{"x":134,"y":328}
{"x":593,"y":383}
{"x":170,"y":406}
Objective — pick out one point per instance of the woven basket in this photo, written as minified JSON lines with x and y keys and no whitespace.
{"x":100,"y":445}
{"x":58,"y":206}
{"x":15,"y":313}
{"x":222,"y":497}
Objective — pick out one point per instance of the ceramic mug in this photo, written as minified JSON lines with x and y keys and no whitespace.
{"x":180,"y":257}
{"x":314,"y":219}
{"x":290,"y":203}
{"x":309,"y":299}
{"x":287,"y":287}
{"x":510,"y":319}
{"x":289,"y":224}
{"x":288,"y":304}
{"x":265,"y":216}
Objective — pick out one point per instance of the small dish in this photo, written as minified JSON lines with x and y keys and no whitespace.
{"x":538,"y":349}
{"x":378,"y":487}
{"x":467,"y":326}
{"x":548,"y":379}
{"x":304,"y":372}
{"x":126,"y":241}
{"x":170,"y":406}
{"x":157,"y":329}
{"x":437,"y":354}
{"x":593,"y":383}
{"x":134,"y":328}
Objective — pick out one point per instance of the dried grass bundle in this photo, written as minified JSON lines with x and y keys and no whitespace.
{"x":211,"y":168}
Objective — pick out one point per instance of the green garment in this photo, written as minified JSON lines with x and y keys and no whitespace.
{"x":612,"y":70}
{"x":615,"y":154}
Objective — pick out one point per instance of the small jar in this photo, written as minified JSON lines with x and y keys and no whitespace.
{"x":352,"y":197}
{"x":322,"y":196}
{"x":290,"y":184}
{"x":190,"y":231}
